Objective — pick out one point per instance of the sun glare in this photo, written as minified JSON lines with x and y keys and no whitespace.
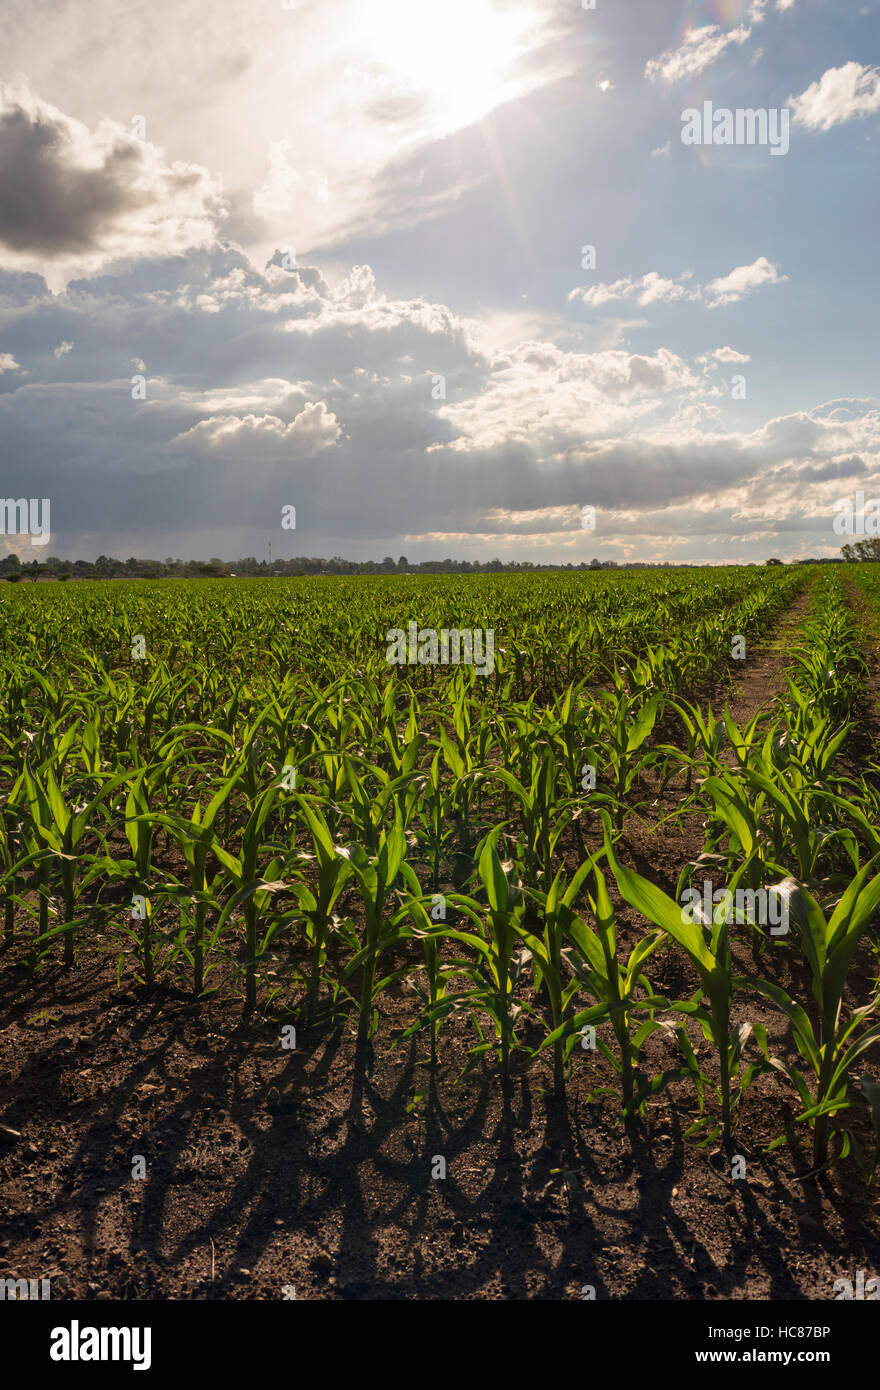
{"x":458,"y":56}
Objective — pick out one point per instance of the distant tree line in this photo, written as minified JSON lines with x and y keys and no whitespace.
{"x":106,"y":567}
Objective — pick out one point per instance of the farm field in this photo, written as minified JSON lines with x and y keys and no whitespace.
{"x":330,"y":965}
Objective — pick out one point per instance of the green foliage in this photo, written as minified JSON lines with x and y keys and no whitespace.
{"x":308,"y":822}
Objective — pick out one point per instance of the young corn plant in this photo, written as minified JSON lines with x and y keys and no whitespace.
{"x":566,"y":731}
{"x":62,"y":829}
{"x":403,"y":754}
{"x":458,"y":756}
{"x":139,"y":831}
{"x":374,"y":875}
{"x":705,"y":741}
{"x":832,"y":1045}
{"x":570,"y":948}
{"x":814,"y":738}
{"x":196,"y":839}
{"x":548,"y":954}
{"x":744,"y":742}
{"x":433,"y":815}
{"x":544,"y":820}
{"x":707,"y":946}
{"x":419,"y":908}
{"x":496,"y":961}
{"x":317,"y":899}
{"x":769,"y":818}
{"x":11,"y":816}
{"x":366,"y":813}
{"x":627,"y":723}
{"x":253,"y":892}
{"x":769,"y":815}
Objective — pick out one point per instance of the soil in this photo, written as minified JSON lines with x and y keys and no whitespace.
{"x":318,"y":1169}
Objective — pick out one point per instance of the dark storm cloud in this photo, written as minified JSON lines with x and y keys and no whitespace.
{"x":67,"y":192}
{"x":45,"y":203}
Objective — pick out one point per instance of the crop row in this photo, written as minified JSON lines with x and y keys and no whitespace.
{"x":349,"y":829}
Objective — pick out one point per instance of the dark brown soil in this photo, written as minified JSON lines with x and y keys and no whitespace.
{"x":269,"y":1170}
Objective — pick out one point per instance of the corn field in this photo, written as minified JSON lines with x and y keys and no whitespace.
{"x":226,"y":789}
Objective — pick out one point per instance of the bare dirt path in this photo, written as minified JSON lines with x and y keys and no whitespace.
{"x":762,"y":677}
{"x":662,"y":854}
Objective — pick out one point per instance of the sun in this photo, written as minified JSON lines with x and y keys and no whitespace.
{"x":458,"y":56}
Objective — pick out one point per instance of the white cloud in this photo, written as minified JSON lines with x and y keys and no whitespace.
{"x":547,"y":398}
{"x":725,"y":354}
{"x":699,"y":49}
{"x":841,"y":94}
{"x":728,"y":289}
{"x":649,"y":289}
{"x":62,"y":349}
{"x":605,"y":293}
{"x":659,"y":289}
{"x":263,"y":436}
{"x":8,"y":363}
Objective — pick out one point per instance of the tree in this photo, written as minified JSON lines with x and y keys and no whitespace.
{"x":866,"y":549}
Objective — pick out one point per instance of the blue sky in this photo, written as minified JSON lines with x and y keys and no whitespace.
{"x":291,"y":221}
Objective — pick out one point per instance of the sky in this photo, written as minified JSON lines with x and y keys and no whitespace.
{"x":447,"y":278}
